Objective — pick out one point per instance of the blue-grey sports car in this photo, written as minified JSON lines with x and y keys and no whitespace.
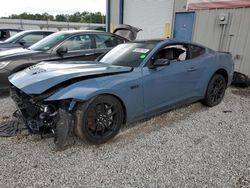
{"x":132,"y":81}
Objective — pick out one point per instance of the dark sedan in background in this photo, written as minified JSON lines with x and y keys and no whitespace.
{"x":62,"y":46}
{"x":7,"y":33}
{"x":24,"y":39}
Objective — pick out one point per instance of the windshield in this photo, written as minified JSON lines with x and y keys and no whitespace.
{"x":129,"y":55}
{"x":49,"y":42}
{"x":15,"y":37}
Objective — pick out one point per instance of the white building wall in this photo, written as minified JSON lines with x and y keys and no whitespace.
{"x":149,"y":15}
{"x":114,"y":14}
{"x":235,"y":37}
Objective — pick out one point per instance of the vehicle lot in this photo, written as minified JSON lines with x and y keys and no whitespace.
{"x":193,"y":146}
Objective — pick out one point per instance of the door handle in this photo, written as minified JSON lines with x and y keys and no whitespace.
{"x":192,"y":69}
{"x":134,"y":86}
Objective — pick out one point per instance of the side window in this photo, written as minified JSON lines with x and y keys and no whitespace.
{"x":5,"y":34}
{"x":13,"y":33}
{"x":80,"y":42}
{"x":173,"y":53}
{"x":195,"y":51}
{"x":1,"y":34}
{"x":32,"y":38}
{"x":107,"y":41}
{"x":46,"y":34}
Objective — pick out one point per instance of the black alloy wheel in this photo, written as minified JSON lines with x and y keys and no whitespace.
{"x":215,"y":91}
{"x":99,"y":119}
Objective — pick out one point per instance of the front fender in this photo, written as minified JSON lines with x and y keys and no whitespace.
{"x":79,"y":92}
{"x":120,"y":87}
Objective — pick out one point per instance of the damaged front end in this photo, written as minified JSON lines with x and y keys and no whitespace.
{"x":47,"y":94}
{"x":42,"y":117}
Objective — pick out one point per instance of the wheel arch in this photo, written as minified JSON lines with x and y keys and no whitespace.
{"x":122,"y":103}
{"x":80,"y":94}
{"x":93,"y":96}
{"x":207,"y":100}
{"x":222,"y":72}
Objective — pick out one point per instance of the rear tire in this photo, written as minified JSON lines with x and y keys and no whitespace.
{"x":99,"y":119}
{"x":215,"y":91}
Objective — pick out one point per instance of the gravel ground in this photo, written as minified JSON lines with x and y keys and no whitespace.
{"x":193,"y":146}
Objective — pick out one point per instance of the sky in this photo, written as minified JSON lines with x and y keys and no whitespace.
{"x":51,"y":6}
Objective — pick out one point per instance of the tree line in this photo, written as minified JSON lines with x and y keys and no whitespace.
{"x":80,"y":17}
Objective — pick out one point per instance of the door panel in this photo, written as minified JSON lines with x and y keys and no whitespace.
{"x":170,"y":84}
{"x":87,"y":55}
{"x":81,"y":55}
{"x":183,"y":27}
{"x":80,"y":48}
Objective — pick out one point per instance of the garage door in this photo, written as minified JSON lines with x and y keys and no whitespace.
{"x":149,"y":15}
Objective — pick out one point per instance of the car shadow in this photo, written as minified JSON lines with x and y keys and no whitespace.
{"x":130,"y":132}
{"x":141,"y":128}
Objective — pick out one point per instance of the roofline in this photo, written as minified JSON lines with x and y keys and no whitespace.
{"x":11,"y":29}
{"x":91,"y":32}
{"x":171,"y":40}
{"x":38,"y":31}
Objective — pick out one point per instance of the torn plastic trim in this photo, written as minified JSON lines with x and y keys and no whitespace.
{"x":63,"y":129}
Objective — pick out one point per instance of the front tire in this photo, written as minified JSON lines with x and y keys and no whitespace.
{"x":99,"y":119}
{"x":215,"y":91}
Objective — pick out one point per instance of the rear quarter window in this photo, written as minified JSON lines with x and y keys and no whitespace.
{"x":196,"y":51}
{"x":32,"y":37}
{"x":107,"y":41}
{"x":13,"y":33}
{"x":46,"y":34}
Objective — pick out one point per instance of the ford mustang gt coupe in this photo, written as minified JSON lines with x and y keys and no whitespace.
{"x":132,"y":81}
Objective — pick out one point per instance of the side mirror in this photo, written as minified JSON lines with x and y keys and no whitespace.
{"x":159,"y":63}
{"x":61,"y":51}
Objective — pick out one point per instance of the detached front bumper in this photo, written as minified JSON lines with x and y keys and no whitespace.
{"x":44,"y":117}
{"x":38,"y":117}
{"x":4,"y":82}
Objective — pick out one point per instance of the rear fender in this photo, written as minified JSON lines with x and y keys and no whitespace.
{"x":203,"y":83}
{"x":227,"y":64}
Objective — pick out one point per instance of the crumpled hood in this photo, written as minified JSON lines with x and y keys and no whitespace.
{"x":39,"y":78}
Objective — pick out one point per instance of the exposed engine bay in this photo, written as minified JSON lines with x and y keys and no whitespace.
{"x":42,"y":118}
